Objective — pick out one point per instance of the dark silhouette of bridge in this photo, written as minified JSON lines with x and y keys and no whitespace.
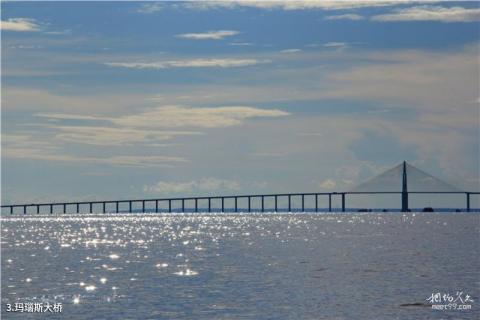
{"x":413,"y":181}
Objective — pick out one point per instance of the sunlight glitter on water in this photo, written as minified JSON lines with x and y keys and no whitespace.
{"x":240,"y":260}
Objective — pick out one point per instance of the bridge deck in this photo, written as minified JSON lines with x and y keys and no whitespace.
{"x":80,"y":206}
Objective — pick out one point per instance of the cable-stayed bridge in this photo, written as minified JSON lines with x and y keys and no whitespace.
{"x":403,"y":180}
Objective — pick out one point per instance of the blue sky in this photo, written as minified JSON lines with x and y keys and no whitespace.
{"x":107,"y":100}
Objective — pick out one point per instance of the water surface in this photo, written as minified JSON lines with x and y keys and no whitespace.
{"x":241,"y":266}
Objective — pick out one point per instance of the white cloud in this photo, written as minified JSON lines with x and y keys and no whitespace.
{"x":336,"y":45}
{"x":291,"y":50}
{"x":424,"y":79}
{"x":33,"y":153}
{"x":291,"y":5}
{"x":240,"y":43}
{"x":328,"y":184}
{"x":179,"y":116}
{"x":205,"y":184}
{"x":193,"y":63}
{"x":149,"y":8}
{"x":59,"y":33}
{"x":32,"y":146}
{"x":108,"y":136}
{"x":431,"y":13}
{"x":174,"y":116}
{"x":20,"y":24}
{"x":350,"y":16}
{"x":210,"y":35}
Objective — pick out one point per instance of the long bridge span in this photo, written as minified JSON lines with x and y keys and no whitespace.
{"x":282,"y":202}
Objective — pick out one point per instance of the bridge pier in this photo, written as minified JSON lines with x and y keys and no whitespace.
{"x":130,"y":206}
{"x":276,"y":207}
{"x":468,"y":201}
{"x":249,"y":208}
{"x":223,"y":204}
{"x":104,"y":205}
{"x":303,"y":203}
{"x":169,"y":206}
{"x":236,"y":204}
{"x":24,"y":209}
{"x":289,"y":203}
{"x":316,"y":202}
{"x":329,"y":202}
{"x":263,"y":204}
{"x":78,"y":207}
{"x":51,"y":208}
{"x":116,"y":206}
{"x":196,"y":204}
{"x":38,"y":209}
{"x":343,"y":202}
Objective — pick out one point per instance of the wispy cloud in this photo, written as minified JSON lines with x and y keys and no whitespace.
{"x":240,"y":43}
{"x":120,"y":161}
{"x":291,"y":5}
{"x":59,"y":33}
{"x":21,"y":25}
{"x":328,"y":184}
{"x":431,"y":13}
{"x":350,"y":16}
{"x":149,"y":8}
{"x":204,"y":184}
{"x":177,"y":116}
{"x":111,"y":136}
{"x":290,"y":50}
{"x":209,"y":35}
{"x":122,"y":131}
{"x":30,"y":147}
{"x":336,"y":45}
{"x":192,"y":63}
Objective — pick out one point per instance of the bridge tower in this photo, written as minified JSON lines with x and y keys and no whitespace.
{"x":404,"y":188}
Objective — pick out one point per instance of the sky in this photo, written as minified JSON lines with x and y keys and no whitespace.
{"x":113,"y":100}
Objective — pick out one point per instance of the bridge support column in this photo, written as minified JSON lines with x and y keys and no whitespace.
{"x":183,"y":205}
{"x":329,"y":202}
{"x":263,"y":204}
{"x":169,"y":206}
{"x":130,"y":206}
{"x":104,"y":205}
{"x":236,"y":204}
{"x":303,"y":203}
{"x":249,"y":208}
{"x":38,"y":209}
{"x":276,"y":206}
{"x":78,"y":207}
{"x":51,"y":208}
{"x":24,"y":209}
{"x":11,"y":210}
{"x":316,"y":203}
{"x":196,"y":205}
{"x":289,"y":203}
{"x":343,"y":202}
{"x":223,"y":204}
{"x":64,"y":208}
{"x":116,"y":206}
{"x":468,"y":201}
{"x":209,"y":204}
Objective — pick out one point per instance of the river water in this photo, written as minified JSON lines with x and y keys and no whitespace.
{"x":241,"y":266}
